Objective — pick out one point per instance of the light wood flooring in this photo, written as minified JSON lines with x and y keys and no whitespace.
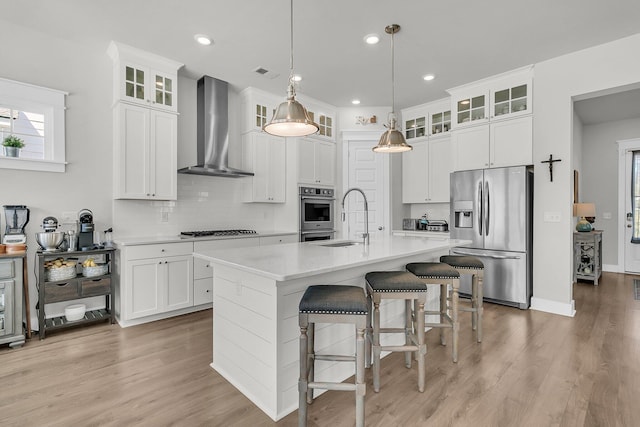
{"x":532,"y":369}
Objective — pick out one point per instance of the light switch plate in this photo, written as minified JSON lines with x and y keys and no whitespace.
{"x":68,"y":217}
{"x":552,"y":217}
{"x":606,"y":215}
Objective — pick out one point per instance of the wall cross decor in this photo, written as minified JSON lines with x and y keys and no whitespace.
{"x":551,"y":161}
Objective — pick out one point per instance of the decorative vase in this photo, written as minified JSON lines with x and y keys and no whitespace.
{"x":583,"y":225}
{"x":11,"y":151}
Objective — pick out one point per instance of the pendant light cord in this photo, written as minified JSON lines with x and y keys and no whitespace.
{"x":393,"y":80}
{"x":291,"y":88}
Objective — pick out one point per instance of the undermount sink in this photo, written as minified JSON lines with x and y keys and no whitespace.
{"x":341,"y":244}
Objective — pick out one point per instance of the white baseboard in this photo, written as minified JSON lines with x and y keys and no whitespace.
{"x":553,"y":307}
{"x":612,"y":268}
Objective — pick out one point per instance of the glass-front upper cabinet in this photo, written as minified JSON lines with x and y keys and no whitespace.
{"x":471,"y":109}
{"x":440,"y":122}
{"x":326,"y":126}
{"x":500,"y":97}
{"x":144,"y":78}
{"x":510,"y":100}
{"x":415,"y":127}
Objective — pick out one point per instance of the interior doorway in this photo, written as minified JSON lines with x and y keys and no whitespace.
{"x":367,"y":171}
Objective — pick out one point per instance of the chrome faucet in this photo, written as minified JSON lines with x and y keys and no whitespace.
{"x":365,"y":236}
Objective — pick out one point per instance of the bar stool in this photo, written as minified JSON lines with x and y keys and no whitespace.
{"x":331,"y":304}
{"x":473,"y":266}
{"x":438,"y":273}
{"x":398,"y":285}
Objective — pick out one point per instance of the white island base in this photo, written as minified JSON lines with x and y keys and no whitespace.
{"x":255,"y":316}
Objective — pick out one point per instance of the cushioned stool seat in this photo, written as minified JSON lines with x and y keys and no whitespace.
{"x":398,"y":285}
{"x":466,"y":264}
{"x":438,"y":273}
{"x":331,"y":304}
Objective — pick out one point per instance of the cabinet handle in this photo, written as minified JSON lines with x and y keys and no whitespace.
{"x":159,"y":262}
{"x":208,"y":291}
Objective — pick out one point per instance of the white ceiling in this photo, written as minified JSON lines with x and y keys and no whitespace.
{"x":458,"y":40}
{"x":617,"y":106}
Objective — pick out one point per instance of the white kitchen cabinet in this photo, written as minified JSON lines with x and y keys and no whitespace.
{"x":145,"y":152}
{"x":430,"y":119}
{"x":154,"y":285}
{"x":202,"y":282}
{"x":265,"y":156}
{"x":498,"y":144}
{"x":425,"y":172}
{"x":504,"y":96}
{"x":258,"y":108}
{"x":276,"y":240}
{"x":144,"y":78}
{"x":492,"y":124}
{"x":316,"y":161}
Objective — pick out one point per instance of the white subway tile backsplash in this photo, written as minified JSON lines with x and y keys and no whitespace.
{"x":203,"y":203}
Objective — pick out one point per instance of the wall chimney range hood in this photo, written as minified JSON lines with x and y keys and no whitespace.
{"x":213,"y":131}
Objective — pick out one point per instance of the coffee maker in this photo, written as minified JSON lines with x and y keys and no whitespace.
{"x":17,"y":217}
{"x":85,"y":234}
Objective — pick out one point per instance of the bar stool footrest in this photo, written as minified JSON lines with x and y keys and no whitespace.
{"x":333,"y":357}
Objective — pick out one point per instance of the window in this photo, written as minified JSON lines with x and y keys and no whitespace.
{"x":35,"y":115}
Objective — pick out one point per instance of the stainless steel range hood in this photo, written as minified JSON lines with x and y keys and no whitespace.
{"x":213,"y":131}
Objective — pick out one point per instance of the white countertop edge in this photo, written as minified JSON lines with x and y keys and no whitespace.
{"x":150,"y":240}
{"x":212,"y":256}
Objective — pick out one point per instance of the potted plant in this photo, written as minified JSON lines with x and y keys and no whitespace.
{"x":12,"y":145}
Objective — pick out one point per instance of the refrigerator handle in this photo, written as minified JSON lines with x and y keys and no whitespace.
{"x":479,"y":204}
{"x":487,"y":208}
{"x":457,"y":252}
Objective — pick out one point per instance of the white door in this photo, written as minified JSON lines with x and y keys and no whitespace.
{"x":631,"y":250}
{"x":366,"y":171}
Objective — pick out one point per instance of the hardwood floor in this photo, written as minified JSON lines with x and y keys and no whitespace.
{"x":532,"y":369}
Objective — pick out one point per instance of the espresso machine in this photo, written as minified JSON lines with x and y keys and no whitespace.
{"x":85,"y":234}
{"x":17,"y":217}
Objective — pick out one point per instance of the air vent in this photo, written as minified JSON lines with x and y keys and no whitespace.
{"x":265,"y":73}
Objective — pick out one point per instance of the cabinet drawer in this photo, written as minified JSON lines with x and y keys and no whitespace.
{"x":94,"y":287}
{"x":61,"y":291}
{"x":275,"y":240}
{"x":159,"y":250}
{"x":6,"y":269}
{"x":201,"y":268}
{"x":242,"y":242}
{"x":203,"y":291}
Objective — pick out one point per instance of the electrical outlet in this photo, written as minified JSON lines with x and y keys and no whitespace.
{"x":606,"y":215}
{"x":68,"y":217}
{"x":164,"y":216}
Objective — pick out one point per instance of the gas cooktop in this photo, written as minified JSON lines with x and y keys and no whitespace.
{"x":205,"y":233}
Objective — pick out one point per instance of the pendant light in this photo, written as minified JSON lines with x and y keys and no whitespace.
{"x":291,"y":118}
{"x":392,"y":140}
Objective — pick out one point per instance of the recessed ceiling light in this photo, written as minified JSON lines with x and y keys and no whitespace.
{"x":297,"y":77}
{"x":355,"y":102}
{"x":371,"y":39}
{"x":203,"y":39}
{"x":429,"y":77}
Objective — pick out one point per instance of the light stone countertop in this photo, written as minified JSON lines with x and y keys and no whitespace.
{"x":150,"y":240}
{"x":296,"y":260}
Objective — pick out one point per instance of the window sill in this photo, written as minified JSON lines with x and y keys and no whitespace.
{"x":32,"y":164}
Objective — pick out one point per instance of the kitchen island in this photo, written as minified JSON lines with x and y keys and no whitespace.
{"x":255,"y":318}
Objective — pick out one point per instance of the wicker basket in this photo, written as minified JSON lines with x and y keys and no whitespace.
{"x":98,"y":270}
{"x":60,"y":273}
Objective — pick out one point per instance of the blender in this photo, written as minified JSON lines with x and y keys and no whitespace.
{"x":17,"y":217}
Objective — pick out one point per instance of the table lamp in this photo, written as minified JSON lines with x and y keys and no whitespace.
{"x":583,"y":210}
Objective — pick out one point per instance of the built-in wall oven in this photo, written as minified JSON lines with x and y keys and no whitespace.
{"x":316,"y":213}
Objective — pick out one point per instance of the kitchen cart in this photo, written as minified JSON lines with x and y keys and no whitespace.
{"x":53,"y":288}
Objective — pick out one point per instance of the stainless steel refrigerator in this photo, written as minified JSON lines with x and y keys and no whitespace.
{"x":493,"y":208}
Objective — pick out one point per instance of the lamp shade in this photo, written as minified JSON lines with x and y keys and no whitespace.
{"x":584,"y":209}
{"x":291,"y":119}
{"x":392,"y":141}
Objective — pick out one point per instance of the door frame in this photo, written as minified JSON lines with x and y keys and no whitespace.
{"x":360,"y":136}
{"x":624,"y":146}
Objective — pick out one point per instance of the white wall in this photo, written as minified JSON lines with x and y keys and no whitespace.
{"x":557,"y":82}
{"x":600,"y":179}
